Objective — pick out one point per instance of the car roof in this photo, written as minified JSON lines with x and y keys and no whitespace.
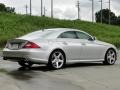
{"x":57,"y":31}
{"x":61,"y":29}
{"x":53,"y":33}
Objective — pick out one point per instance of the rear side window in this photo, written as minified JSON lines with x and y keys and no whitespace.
{"x":82,"y":35}
{"x":68,"y":34}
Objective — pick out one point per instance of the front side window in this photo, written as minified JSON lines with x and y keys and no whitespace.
{"x":68,"y":34}
{"x":82,"y":35}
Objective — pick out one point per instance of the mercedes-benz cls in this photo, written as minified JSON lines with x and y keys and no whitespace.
{"x":58,"y":47}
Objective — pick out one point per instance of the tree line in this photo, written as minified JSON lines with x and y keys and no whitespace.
{"x":114,"y":20}
{"x":3,"y":8}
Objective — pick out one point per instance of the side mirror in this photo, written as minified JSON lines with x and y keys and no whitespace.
{"x":92,"y":39}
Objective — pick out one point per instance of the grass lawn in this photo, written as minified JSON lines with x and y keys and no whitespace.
{"x":12,"y":25}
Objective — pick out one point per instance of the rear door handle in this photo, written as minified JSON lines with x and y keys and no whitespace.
{"x":83,"y":44}
{"x":65,"y":43}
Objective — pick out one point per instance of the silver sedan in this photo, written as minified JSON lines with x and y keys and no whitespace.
{"x":58,"y":47}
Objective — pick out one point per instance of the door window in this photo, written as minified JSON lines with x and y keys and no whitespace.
{"x":68,"y":34}
{"x":81,"y":35}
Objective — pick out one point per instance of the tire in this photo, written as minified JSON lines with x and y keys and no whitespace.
{"x":110,"y":57}
{"x":57,"y":60}
{"x":25,"y":64}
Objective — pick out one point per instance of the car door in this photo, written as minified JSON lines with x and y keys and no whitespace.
{"x":71,"y":45}
{"x":90,"y":49}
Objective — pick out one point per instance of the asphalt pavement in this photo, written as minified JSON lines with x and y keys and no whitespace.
{"x":83,"y":76}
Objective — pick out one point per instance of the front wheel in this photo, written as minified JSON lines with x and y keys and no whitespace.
{"x":57,"y":60}
{"x":110,"y":57}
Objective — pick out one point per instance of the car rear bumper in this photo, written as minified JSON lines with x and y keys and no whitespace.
{"x":35,"y":56}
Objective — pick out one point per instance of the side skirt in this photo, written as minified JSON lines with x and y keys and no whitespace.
{"x":80,"y":61}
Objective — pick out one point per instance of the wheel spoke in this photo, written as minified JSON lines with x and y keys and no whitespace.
{"x":57,"y":64}
{"x":61,"y":61}
{"x":54,"y":61}
{"x":111,"y":58}
{"x":110,"y":61}
{"x":108,"y":57}
{"x":113,"y":54}
{"x":109,"y":53}
{"x":59,"y":55}
{"x":55,"y":56}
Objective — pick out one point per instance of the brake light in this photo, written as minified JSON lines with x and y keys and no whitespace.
{"x":31,"y":45}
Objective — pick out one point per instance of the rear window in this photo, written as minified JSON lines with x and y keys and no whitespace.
{"x":40,"y":34}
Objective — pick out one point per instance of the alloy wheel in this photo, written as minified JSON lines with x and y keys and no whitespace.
{"x":57,"y":60}
{"x":110,"y":57}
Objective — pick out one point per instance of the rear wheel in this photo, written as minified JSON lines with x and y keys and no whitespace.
{"x":25,"y":64}
{"x":110,"y":57}
{"x":57,"y":60}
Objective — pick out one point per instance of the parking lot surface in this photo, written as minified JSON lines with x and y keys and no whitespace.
{"x":83,"y":76}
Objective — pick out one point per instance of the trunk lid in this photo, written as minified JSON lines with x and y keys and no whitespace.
{"x":15,"y":44}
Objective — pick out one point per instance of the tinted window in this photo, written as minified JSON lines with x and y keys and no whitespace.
{"x":82,"y":35}
{"x":69,"y":34}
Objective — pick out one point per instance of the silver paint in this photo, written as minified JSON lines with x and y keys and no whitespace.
{"x":76,"y":50}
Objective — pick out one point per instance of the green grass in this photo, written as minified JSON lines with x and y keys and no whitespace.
{"x":12,"y":25}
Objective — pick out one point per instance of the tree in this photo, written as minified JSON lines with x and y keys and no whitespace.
{"x":118,"y":20}
{"x":3,"y":8}
{"x":10,"y":9}
{"x":105,"y":16}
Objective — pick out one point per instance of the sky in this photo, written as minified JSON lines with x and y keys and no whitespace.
{"x":63,"y":9}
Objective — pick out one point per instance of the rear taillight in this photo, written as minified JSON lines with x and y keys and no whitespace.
{"x":31,"y":45}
